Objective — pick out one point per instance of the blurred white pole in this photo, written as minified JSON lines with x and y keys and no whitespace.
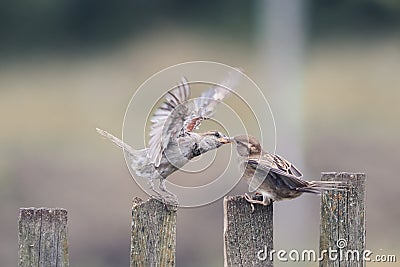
{"x":281,"y":39}
{"x":281,"y":34}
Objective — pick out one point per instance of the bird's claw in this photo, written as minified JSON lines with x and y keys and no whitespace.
{"x":250,"y":200}
{"x":166,"y":200}
{"x":171,"y":200}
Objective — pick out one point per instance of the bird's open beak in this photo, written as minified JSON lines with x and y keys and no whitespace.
{"x":225,"y":140}
{"x":230,"y":140}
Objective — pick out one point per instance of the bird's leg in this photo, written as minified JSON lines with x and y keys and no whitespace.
{"x":265,"y":202}
{"x":249,"y":199}
{"x":163,"y":188}
{"x":151,"y":185}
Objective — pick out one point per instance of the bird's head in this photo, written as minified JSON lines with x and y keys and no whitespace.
{"x":247,"y":145}
{"x":211,"y":140}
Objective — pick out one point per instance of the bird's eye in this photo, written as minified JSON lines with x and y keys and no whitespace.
{"x":217,"y":134}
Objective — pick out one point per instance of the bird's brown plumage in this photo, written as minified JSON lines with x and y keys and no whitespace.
{"x":273,"y":176}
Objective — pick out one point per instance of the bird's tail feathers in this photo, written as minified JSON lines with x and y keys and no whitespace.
{"x":117,"y":142}
{"x":318,"y":187}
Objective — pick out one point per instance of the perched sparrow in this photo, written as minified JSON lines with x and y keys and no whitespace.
{"x":172,"y":141}
{"x":272,"y":176}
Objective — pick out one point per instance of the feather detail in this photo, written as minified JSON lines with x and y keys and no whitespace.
{"x":179,"y":115}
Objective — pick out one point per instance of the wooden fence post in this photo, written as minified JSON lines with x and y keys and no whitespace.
{"x":42,"y":237}
{"x":248,"y":237}
{"x":153,"y":239}
{"x":343,"y":221}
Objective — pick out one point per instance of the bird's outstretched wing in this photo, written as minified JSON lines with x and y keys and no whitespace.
{"x":179,"y":115}
{"x":168,"y":120}
{"x":206,"y":103}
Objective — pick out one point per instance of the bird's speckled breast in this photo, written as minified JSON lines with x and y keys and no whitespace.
{"x":177,"y":154}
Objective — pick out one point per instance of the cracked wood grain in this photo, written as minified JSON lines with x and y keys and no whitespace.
{"x":248,"y":237}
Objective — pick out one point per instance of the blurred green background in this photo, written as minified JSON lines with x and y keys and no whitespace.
{"x":330,"y":69}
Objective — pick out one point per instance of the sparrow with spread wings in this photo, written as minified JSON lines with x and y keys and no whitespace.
{"x":173,"y":143}
{"x":272,"y":176}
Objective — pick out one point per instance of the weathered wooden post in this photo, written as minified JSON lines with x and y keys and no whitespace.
{"x":42,"y":237}
{"x":343,"y":222}
{"x":248,"y":237}
{"x":153,"y":240}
